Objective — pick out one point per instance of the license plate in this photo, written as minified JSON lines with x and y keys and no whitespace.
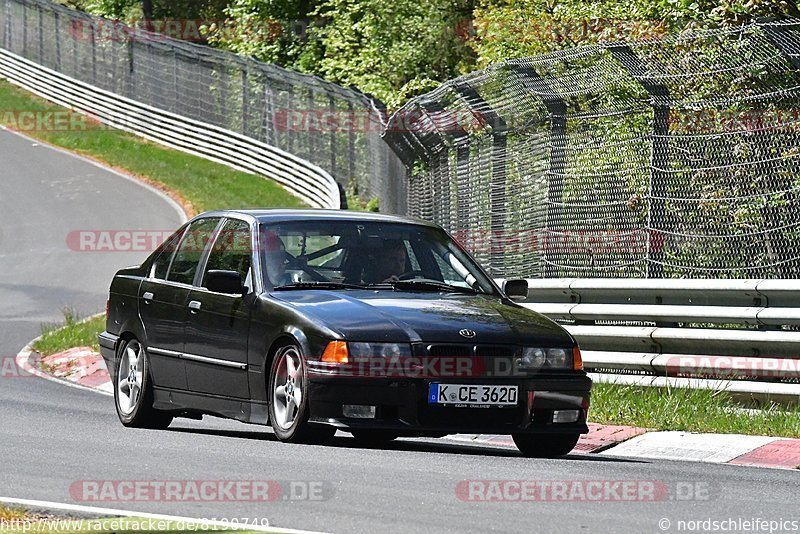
{"x":472,"y":395}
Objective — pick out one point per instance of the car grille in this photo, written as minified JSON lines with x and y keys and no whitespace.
{"x":487,"y":358}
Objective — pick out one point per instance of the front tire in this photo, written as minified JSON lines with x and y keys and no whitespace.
{"x":545,"y":445}
{"x":289,"y":402}
{"x":133,"y":392}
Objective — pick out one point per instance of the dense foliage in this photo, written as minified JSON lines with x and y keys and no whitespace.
{"x":395,"y":49}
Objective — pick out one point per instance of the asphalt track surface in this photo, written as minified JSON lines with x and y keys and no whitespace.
{"x":52,"y":436}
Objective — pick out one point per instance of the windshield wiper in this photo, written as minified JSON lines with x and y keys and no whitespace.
{"x":317,"y":285}
{"x":431,"y":285}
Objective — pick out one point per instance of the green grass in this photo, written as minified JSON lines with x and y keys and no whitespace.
{"x":74,"y":333}
{"x":13,"y":520}
{"x":10,"y":514}
{"x":693,"y":410}
{"x":203,"y":184}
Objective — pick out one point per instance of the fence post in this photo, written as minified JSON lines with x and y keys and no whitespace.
{"x":24,"y":30}
{"x":245,"y":96}
{"x":333,"y":135}
{"x":497,"y":194}
{"x":131,"y":49}
{"x":351,"y":146}
{"x":780,"y":37}
{"x":442,"y":191}
{"x":57,"y":26}
{"x":557,"y":108}
{"x":267,"y":133}
{"x":94,"y":53}
{"x":659,"y":164}
{"x":7,"y":30}
{"x":41,"y":34}
{"x":462,"y":182}
{"x":312,"y":137}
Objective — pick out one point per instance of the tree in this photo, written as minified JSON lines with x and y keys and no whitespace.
{"x":507,"y":29}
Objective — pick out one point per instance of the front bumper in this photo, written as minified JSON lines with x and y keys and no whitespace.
{"x":402,"y":405}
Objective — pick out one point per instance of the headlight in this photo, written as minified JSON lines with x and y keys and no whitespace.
{"x":532,"y":358}
{"x":361,"y":351}
{"x":536,"y":358}
{"x":559,"y":358}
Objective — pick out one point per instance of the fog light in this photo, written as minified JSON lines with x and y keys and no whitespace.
{"x":358,"y":411}
{"x":566,"y":416}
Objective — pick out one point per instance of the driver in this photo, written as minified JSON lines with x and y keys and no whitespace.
{"x":390,"y":262}
{"x":275,"y":258}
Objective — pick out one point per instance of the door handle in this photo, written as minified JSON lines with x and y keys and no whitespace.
{"x":148,"y":296}
{"x":194,"y":306}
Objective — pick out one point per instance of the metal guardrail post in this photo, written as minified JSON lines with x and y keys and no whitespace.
{"x":659,"y":164}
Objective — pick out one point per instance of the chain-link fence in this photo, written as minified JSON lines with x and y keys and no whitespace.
{"x":336,"y":128}
{"x":669,"y":158}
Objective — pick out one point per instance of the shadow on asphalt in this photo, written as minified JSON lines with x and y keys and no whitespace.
{"x":405,"y":445}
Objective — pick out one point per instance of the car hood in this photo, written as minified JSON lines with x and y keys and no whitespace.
{"x":395,"y":316}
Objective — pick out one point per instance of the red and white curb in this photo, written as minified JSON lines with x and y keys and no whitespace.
{"x":84,"y":368}
{"x":81,"y":365}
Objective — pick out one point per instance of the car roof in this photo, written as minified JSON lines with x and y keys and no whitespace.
{"x":285,"y":215}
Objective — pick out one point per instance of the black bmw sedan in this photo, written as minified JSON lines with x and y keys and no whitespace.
{"x":315,"y":320}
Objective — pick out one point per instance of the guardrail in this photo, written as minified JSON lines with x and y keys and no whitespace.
{"x":309,"y":182}
{"x":742,"y":336}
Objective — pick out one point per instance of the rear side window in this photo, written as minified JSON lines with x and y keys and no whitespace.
{"x":161,"y":265}
{"x":187,"y":257}
{"x":232,"y":250}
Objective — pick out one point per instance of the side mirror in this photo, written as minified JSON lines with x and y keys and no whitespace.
{"x":516,"y":289}
{"x":228,"y":282}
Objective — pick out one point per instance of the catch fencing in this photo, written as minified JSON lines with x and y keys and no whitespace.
{"x":670,"y":158}
{"x":250,"y":110}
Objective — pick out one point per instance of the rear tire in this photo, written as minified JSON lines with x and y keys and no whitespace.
{"x":545,"y":445}
{"x":133,"y":391}
{"x":289,"y":400}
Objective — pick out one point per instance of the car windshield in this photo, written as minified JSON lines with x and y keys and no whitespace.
{"x":358,"y":254}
